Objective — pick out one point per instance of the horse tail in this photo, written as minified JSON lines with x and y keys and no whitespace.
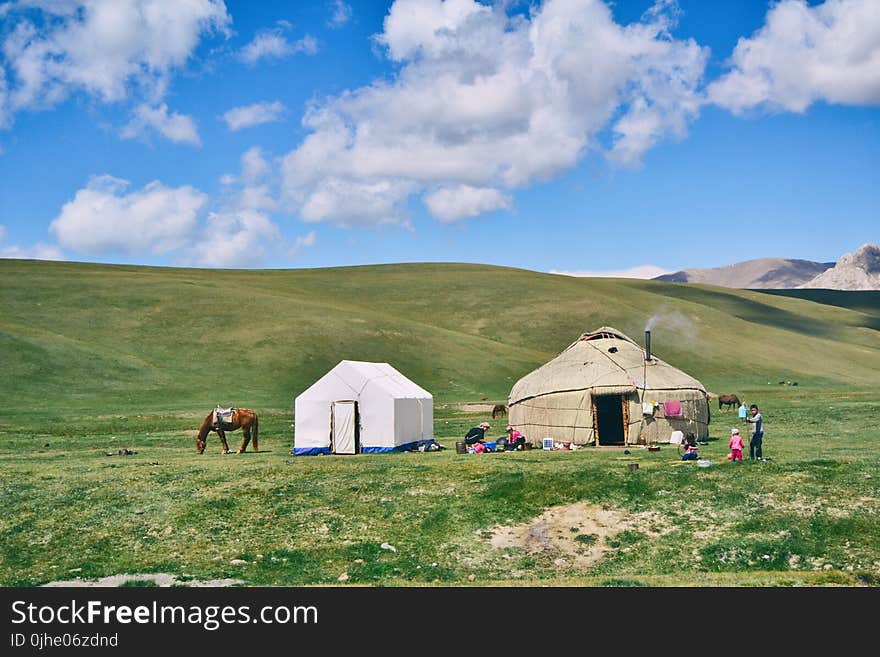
{"x":256,"y":431}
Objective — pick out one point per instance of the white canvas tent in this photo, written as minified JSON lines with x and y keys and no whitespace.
{"x":360,"y":407}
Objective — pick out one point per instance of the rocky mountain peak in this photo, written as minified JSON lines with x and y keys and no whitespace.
{"x":859,"y":270}
{"x":867,"y":257}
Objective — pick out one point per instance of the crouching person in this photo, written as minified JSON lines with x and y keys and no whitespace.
{"x":515,"y":440}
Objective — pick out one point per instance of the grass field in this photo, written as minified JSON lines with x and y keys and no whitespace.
{"x":102,"y":358}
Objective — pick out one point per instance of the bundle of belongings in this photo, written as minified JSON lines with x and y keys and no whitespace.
{"x":428,"y":446}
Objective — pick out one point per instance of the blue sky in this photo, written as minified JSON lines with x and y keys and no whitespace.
{"x":564,"y":135}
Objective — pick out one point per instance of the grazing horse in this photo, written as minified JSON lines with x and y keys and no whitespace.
{"x":242,"y":418}
{"x":728,"y":400}
{"x":499,"y":409}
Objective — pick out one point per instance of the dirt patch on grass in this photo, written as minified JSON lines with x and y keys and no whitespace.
{"x":158,"y":579}
{"x":475,"y":408}
{"x":808,"y":507}
{"x":446,"y":490}
{"x":578,"y":534}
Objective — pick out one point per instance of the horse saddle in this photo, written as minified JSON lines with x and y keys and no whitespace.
{"x":223,"y":417}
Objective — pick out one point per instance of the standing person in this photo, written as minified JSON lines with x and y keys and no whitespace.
{"x":755,"y":452}
{"x":477,"y":434}
{"x":736,"y":445}
{"x":743,"y":411}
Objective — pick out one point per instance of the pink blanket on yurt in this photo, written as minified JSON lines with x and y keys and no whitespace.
{"x":672,"y":409}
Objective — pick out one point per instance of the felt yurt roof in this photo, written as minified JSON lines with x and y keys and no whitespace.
{"x":605,"y":360}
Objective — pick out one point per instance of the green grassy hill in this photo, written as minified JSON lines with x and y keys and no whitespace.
{"x":98,"y":358}
{"x":79,"y":335}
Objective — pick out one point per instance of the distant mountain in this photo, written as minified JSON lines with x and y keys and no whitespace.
{"x":854,"y":271}
{"x":763,"y":273}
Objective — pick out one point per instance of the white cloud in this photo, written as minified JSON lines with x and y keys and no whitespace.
{"x":256,"y":197}
{"x":451,"y":204}
{"x":308,"y":45}
{"x":488,"y":101}
{"x":302,"y":243}
{"x":428,"y":26}
{"x":306,"y":240}
{"x":642,"y":271}
{"x":38,"y":251}
{"x":235,"y":238}
{"x":5,"y":110}
{"x":350,"y":203}
{"x":804,"y":54}
{"x":246,"y":116}
{"x":57,"y":7}
{"x":253,"y":165}
{"x":248,"y":209}
{"x":240,"y":233}
{"x":233,"y":230}
{"x":103,"y":218}
{"x":176,"y":127}
{"x":273,"y":45}
{"x":341,"y":14}
{"x":265,"y":45}
{"x":103,"y":48}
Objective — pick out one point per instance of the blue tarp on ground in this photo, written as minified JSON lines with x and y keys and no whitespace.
{"x":310,"y":451}
{"x":406,"y":447}
{"x":316,"y":451}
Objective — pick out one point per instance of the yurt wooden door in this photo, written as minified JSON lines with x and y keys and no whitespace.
{"x":343,"y":429}
{"x":609,"y":413}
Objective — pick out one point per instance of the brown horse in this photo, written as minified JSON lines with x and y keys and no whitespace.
{"x":242,"y":418}
{"x":499,"y":409}
{"x":729,"y":400}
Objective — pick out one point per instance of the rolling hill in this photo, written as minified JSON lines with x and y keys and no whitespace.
{"x":120,"y":338}
{"x":98,"y":358}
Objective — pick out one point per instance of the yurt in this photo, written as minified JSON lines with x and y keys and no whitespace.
{"x":360,"y":407}
{"x":605,"y":389}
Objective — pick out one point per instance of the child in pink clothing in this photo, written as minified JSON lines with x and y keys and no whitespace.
{"x":515,"y":440}
{"x":736,"y":445}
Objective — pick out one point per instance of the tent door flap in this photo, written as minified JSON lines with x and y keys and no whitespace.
{"x":343,"y":429}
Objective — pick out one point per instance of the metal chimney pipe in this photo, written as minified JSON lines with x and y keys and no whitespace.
{"x":647,"y":345}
